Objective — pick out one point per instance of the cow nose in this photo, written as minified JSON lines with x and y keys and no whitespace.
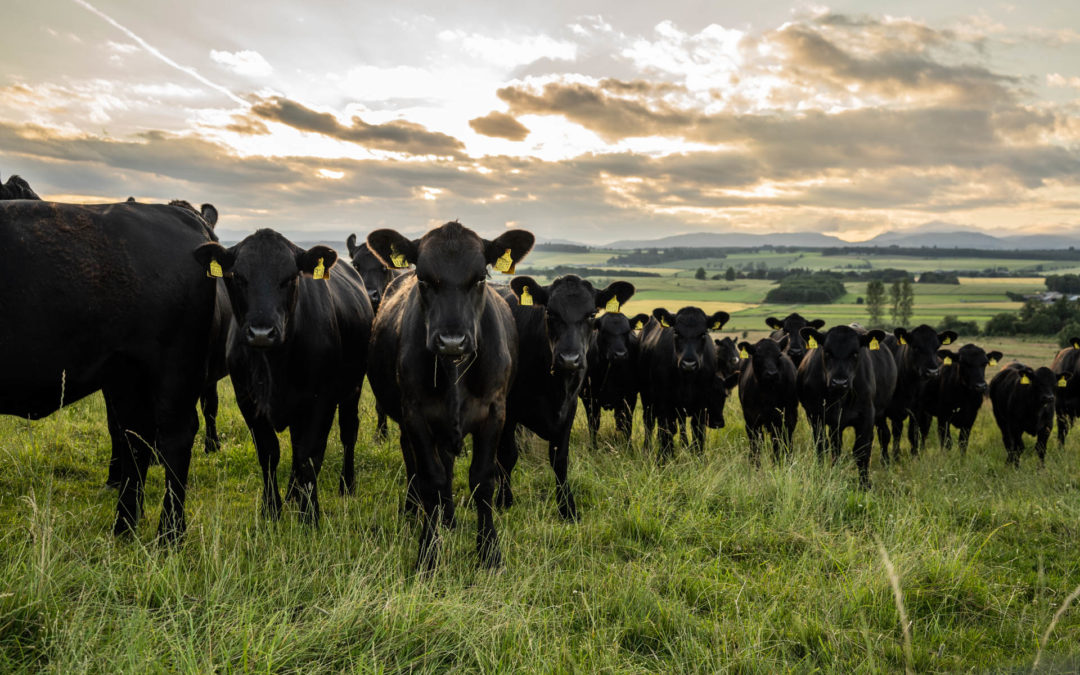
{"x":619,"y":354}
{"x":450,"y":345}
{"x":261,"y":337}
{"x":980,"y":386}
{"x":931,"y":372}
{"x":794,"y":352}
{"x":569,"y":360}
{"x":1048,"y":399}
{"x":688,"y":366}
{"x":374,"y":297}
{"x":838,"y":382}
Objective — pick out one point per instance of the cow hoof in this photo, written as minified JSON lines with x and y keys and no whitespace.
{"x":504,"y":499}
{"x":491,"y":560}
{"x":346,"y":487}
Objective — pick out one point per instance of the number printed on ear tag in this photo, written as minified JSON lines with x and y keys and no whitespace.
{"x":612,"y":305}
{"x":215,"y":270}
{"x":874,"y":344}
{"x":505,"y":263}
{"x":320,"y":270}
{"x":526,"y":297}
{"x":811,"y":343}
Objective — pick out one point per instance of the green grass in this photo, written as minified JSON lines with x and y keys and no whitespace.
{"x":704,"y":564}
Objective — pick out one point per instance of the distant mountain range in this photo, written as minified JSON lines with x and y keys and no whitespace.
{"x":955,"y":239}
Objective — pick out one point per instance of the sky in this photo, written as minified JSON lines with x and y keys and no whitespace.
{"x":581,"y":121}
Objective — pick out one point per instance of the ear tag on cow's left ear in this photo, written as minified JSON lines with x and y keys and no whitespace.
{"x":320,"y":270}
{"x":612,"y":305}
{"x":874,"y":344}
{"x":526,"y":297}
{"x":1024,"y":379}
{"x":718,"y":325}
{"x":947,"y":341}
{"x":743,"y":354}
{"x":505,"y":263}
{"x":664,"y":323}
{"x":397,"y":258}
{"x":947,"y":361}
{"x":903,"y":341}
{"x":215,"y":270}
{"x":1062,"y":382}
{"x":811,"y":343}
{"x":993,"y":362}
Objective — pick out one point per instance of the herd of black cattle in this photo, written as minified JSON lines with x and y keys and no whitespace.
{"x":141,"y":302}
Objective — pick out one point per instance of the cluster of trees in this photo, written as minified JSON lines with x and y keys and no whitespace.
{"x":1060,"y":318}
{"x":1070,"y":253}
{"x":1063,"y":283}
{"x":900,"y":302}
{"x":817,"y":287}
{"x":587,"y":272}
{"x":562,"y":248}
{"x":659,"y":256}
{"x":939,"y":278}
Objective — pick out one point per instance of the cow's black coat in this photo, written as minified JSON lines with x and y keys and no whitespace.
{"x":1068,"y":401}
{"x":791,"y":326}
{"x":767,"y":396}
{"x":917,"y":362}
{"x":611,"y":380}
{"x":1023,"y":399}
{"x":956,"y":394}
{"x":377,"y":276}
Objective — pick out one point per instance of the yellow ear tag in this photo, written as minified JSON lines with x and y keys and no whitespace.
{"x":664,"y":323}
{"x":947,"y":341}
{"x":612,"y":305}
{"x":1024,"y":379}
{"x":526,"y":297}
{"x":718,"y":325}
{"x":993,"y":362}
{"x":320,"y":271}
{"x":947,"y":361}
{"x":874,"y":344}
{"x":639,"y":325}
{"x":397,"y":258}
{"x":811,"y":343}
{"x":1076,"y":345}
{"x":215,"y":270}
{"x":903,"y":341}
{"x":743,"y":354}
{"x":1062,"y":382}
{"x":505,"y":264}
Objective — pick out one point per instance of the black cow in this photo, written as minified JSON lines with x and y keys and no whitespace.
{"x":728,"y":357}
{"x":791,"y":326}
{"x":846,"y":380}
{"x":767,"y":395}
{"x":611,"y":380}
{"x":377,"y":276}
{"x":956,"y":394}
{"x":17,"y":188}
{"x":102,"y":297}
{"x":443,"y":353}
{"x":1023,"y":401}
{"x":1068,"y":401}
{"x":917,"y":362}
{"x":554,"y":329}
{"x":297,"y":352}
{"x":678,"y":367}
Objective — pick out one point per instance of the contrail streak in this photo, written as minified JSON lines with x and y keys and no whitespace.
{"x":153,"y":51}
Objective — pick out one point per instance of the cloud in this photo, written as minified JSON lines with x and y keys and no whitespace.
{"x":499,"y":125}
{"x":246,"y":62}
{"x":510,"y":51}
{"x":396,"y":136}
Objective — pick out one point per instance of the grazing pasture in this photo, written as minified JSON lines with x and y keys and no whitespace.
{"x":702,"y":564}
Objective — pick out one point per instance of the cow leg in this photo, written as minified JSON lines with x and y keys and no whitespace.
{"x":1014,"y":447}
{"x":836,"y":438}
{"x":913,"y":433}
{"x":446,"y":489}
{"x":592,"y":418}
{"x":924,"y":428}
{"x":787,"y":430}
{"x":412,"y":494}
{"x":209,"y":402}
{"x":817,"y":431}
{"x":944,"y":437}
{"x":1063,"y":423}
{"x":269,"y":453}
{"x":430,"y":477}
{"x":381,"y":430}
{"x":897,"y":433}
{"x":962,"y":441}
{"x":177,"y":423}
{"x":132,"y":452}
{"x":624,"y":419}
{"x":482,"y":486}
{"x":665,"y":436}
{"x":119,"y":443}
{"x":1040,"y":445}
{"x":756,"y":437}
{"x":559,"y":457}
{"x":348,"y":429}
{"x":648,"y":422}
{"x":506,"y":460}
{"x":883,"y":439}
{"x":864,"y":440}
{"x":308,"y":450}
{"x":697,"y":424}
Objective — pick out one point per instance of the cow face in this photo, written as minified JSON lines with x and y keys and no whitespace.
{"x":970,"y":363}
{"x":693,"y":346}
{"x":923,"y":343}
{"x":840,"y":348}
{"x":614,"y":332}
{"x":262,"y":274}
{"x":1044,"y":384}
{"x":766,"y":357}
{"x":570,"y":303}
{"x":451,"y":271}
{"x":727,"y":356}
{"x":375,"y":274}
{"x":791,"y":325}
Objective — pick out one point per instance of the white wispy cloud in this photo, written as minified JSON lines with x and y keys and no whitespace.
{"x":245,"y":62}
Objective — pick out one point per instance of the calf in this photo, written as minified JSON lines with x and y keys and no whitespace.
{"x":1023,"y":401}
{"x":729,"y":357}
{"x":791,"y":325}
{"x":554,"y":326}
{"x":611,"y":381}
{"x":1068,"y":401}
{"x":678,"y":367}
{"x":917,"y":362}
{"x":846,"y":380}
{"x":96,"y":297}
{"x":377,"y":276}
{"x":767,"y":395}
{"x":296,"y":353}
{"x":955,"y":396}
{"x":443,"y":354}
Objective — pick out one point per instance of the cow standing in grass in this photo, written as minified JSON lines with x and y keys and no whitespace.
{"x":296,"y":354}
{"x":554,"y":326}
{"x":846,"y":380}
{"x":728,"y":357}
{"x":956,"y":395}
{"x":917,"y":362}
{"x":611,"y":379}
{"x":678,"y":369}
{"x":443,"y":354}
{"x":377,"y":276}
{"x":767,"y":396}
{"x":791,"y":326}
{"x":1068,"y":401}
{"x":1024,"y":402}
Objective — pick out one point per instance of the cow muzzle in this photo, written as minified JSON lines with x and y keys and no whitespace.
{"x":262,"y":337}
{"x":451,"y":344}
{"x":569,"y":361}
{"x":688,"y":366}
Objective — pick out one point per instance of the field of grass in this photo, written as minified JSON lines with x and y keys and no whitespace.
{"x":704,"y":564}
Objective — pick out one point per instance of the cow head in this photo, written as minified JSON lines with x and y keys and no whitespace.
{"x":969,"y":363}
{"x":451,"y":272}
{"x":922,"y":346}
{"x":840,"y":348}
{"x":570,"y":303}
{"x":262,"y":274}
{"x":766,"y":355}
{"x":375,"y":274}
{"x":727,"y":356}
{"x":693,"y":345}
{"x":790,"y":326}
{"x":614,"y":333}
{"x":1044,"y":384}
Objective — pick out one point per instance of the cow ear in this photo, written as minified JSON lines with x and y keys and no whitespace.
{"x":507,"y":250}
{"x":994,"y":357}
{"x":746,"y":350}
{"x":612,"y":298}
{"x":209,"y":214}
{"x":947,"y":357}
{"x":901,"y":335}
{"x":316,"y":261}
{"x":872,"y":339}
{"x":774,"y":323}
{"x":817,"y":323}
{"x":812,"y":336}
{"x":947,"y":337}
{"x":1075,"y":342}
{"x":350,"y":244}
{"x":1063,"y":378}
{"x":528,"y":292}
{"x":666,"y":318}
{"x":394,"y":250}
{"x":639,"y":321}
{"x":215,"y":259}
{"x":718,"y":319}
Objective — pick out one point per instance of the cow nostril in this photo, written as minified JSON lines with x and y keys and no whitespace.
{"x":621,"y":354}
{"x":688,"y":365}
{"x":261,"y":336}
{"x":570,"y":361}
{"x":450,"y":345}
